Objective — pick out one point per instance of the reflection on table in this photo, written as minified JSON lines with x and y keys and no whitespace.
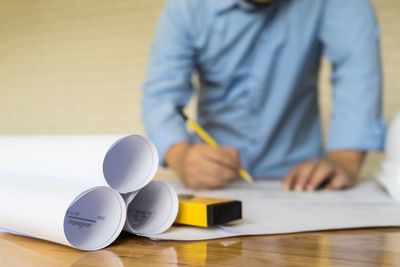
{"x":364,"y":247}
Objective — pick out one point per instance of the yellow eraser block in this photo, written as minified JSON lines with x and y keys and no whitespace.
{"x":205,"y":211}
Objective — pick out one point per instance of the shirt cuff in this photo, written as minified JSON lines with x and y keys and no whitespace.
{"x":354,"y":134}
{"x":164,"y":140}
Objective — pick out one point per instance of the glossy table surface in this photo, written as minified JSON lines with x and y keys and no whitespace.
{"x":361,"y":247}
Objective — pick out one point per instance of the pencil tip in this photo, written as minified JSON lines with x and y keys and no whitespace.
{"x":245,"y":175}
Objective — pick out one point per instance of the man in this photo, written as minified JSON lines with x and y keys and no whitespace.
{"x":258,"y":64}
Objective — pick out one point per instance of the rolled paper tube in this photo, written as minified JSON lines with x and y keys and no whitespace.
{"x":125,"y":163}
{"x":152,"y":210}
{"x":84,"y":217}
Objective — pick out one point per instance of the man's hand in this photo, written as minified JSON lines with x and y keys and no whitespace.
{"x":337,"y":171}
{"x":203,"y":167}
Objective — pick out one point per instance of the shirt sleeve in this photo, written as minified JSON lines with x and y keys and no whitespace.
{"x":168,"y":83}
{"x":350,"y":37}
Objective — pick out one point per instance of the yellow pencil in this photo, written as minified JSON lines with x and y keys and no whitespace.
{"x":211,"y":142}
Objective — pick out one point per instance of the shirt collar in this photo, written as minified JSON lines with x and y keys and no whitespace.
{"x":225,"y":5}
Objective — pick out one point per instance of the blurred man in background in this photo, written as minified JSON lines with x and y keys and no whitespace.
{"x":258,"y":64}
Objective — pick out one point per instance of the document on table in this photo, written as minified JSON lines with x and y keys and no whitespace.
{"x":269,"y":210}
{"x":82,"y":190}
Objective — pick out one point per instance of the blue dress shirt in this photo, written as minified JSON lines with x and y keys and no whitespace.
{"x":258,"y":70}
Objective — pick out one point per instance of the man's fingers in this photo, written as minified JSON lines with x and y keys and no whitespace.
{"x":313,"y":174}
{"x":222,"y":155}
{"x":199,"y":179}
{"x":289,"y":179}
{"x":234,"y":155}
{"x":339,"y":181}
{"x":214,"y":170}
{"x":297,"y":178}
{"x":321,"y":174}
{"x":305,"y":172}
{"x":203,"y":172}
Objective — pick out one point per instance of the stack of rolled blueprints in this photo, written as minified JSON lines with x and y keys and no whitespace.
{"x":82,"y":190}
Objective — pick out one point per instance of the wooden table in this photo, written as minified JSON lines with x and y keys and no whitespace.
{"x":364,"y":247}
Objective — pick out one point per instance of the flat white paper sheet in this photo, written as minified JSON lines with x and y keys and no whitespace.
{"x":269,"y":210}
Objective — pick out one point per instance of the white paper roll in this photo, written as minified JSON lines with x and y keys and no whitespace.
{"x":389,"y":177}
{"x":152,"y":210}
{"x":125,"y":163}
{"x":63,"y":188}
{"x":80,"y":216}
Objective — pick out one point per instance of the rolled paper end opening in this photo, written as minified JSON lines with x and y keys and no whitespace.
{"x":95,"y":218}
{"x":130,"y":163}
{"x":153,"y":210}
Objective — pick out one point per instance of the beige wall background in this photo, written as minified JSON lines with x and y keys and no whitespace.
{"x":69,"y":66}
